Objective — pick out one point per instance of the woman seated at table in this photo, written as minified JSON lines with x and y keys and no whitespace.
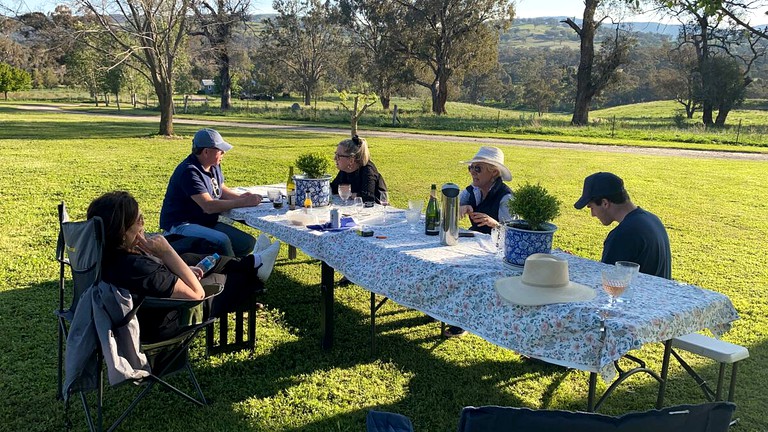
{"x":148,"y":266}
{"x":356,"y":169}
{"x":486,"y":200}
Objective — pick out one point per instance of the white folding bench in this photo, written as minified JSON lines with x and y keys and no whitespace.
{"x":720,"y":351}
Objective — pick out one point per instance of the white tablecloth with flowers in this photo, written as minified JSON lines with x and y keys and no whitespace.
{"x":455,"y":284}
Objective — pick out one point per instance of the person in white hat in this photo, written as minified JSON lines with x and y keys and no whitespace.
{"x":486,"y":200}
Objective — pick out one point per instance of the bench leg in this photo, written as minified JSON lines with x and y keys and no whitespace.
{"x":732,"y":387}
{"x":720,"y":379}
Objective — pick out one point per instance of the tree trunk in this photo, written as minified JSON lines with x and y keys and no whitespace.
{"x":722,"y":114}
{"x":307,"y":95}
{"x":117,"y":101}
{"x":165,"y":99}
{"x":706,"y":113}
{"x":385,"y":102}
{"x":584,"y":87}
{"x":225,"y":80}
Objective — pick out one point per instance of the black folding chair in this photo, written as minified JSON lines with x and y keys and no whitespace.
{"x":709,"y":417}
{"x":80,"y":247}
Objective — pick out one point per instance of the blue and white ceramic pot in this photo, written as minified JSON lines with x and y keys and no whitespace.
{"x":319,"y":190}
{"x":521,"y":243}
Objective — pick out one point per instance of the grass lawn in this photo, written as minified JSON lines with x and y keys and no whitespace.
{"x":715,"y":211}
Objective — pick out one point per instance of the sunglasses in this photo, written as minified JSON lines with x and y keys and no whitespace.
{"x":475,"y":168}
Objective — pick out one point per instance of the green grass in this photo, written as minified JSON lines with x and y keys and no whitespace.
{"x":714,"y":210}
{"x":651,"y":124}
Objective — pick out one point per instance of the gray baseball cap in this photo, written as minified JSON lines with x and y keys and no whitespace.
{"x":209,"y":138}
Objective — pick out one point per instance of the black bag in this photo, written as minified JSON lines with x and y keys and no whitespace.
{"x":186,"y":244}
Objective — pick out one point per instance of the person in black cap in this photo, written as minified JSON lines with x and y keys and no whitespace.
{"x":640,"y":236}
{"x":196,"y":195}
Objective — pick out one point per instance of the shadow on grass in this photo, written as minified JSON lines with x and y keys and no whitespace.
{"x":439,"y":383}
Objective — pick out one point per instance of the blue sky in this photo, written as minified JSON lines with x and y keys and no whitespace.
{"x":525,"y":8}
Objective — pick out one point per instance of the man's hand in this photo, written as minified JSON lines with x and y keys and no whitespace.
{"x":250,"y":199}
{"x":465,"y":210}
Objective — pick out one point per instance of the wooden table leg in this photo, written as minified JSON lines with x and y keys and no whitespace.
{"x":291,"y":252}
{"x":326,"y":305}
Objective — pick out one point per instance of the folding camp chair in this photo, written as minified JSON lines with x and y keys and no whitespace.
{"x":709,"y":417}
{"x":80,"y":247}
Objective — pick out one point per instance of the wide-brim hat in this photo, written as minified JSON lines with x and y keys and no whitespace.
{"x":493,"y":156}
{"x":210,"y":138}
{"x":544,"y":281}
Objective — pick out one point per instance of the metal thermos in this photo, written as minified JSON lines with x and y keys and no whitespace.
{"x":449,"y":224}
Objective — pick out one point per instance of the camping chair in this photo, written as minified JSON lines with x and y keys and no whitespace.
{"x":80,"y":247}
{"x":709,"y":417}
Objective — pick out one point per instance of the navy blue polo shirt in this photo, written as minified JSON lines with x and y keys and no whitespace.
{"x":640,"y":238}
{"x":190,"y":179}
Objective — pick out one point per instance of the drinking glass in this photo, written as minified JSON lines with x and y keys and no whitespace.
{"x":633,"y":269}
{"x":615,"y":281}
{"x":358,"y":205}
{"x":384,"y":201}
{"x":345,"y":191}
{"x":416,"y":204}
{"x":498,"y":235}
{"x":276,"y":197}
{"x":412,"y":216}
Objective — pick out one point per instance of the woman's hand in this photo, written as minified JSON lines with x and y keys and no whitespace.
{"x":197,"y":271}
{"x":482,"y":219}
{"x":155,"y":245}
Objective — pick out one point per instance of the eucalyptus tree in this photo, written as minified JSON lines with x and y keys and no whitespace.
{"x":373,"y":28}
{"x":444,"y":38}
{"x":304,"y":42}
{"x":596,"y":70}
{"x":150,"y":32}
{"x":713,"y":34}
{"x":216,"y":21}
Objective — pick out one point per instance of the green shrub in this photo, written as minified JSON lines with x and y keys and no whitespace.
{"x":314,"y":165}
{"x":535,"y":205}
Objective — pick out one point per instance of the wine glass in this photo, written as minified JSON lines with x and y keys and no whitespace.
{"x":276,"y":197}
{"x":345,"y":191}
{"x":384,"y":201}
{"x":412,"y":216}
{"x":633,"y":269}
{"x":358,"y":205}
{"x":615,"y":281}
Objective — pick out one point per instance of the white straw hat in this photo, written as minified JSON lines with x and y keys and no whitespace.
{"x":495,"y":157}
{"x":544,"y":281}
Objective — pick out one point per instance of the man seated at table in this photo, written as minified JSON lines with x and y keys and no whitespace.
{"x":196,"y":195}
{"x":640,"y":236}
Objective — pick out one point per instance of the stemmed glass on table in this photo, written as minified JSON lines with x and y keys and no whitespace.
{"x":413,"y":214}
{"x":615,"y":280}
{"x":384,"y":201}
{"x":358,"y":204}
{"x":345,"y":191}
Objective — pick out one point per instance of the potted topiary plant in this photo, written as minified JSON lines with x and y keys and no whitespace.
{"x":533,"y":232}
{"x":314,"y":182}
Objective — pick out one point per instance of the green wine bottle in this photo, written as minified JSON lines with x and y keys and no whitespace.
{"x":432,"y":225}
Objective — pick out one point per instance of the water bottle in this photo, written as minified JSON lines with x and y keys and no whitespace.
{"x":208,"y":262}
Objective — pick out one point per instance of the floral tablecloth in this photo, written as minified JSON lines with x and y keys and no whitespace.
{"x":455,"y":284}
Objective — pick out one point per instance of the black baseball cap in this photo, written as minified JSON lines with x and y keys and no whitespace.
{"x":599,"y":185}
